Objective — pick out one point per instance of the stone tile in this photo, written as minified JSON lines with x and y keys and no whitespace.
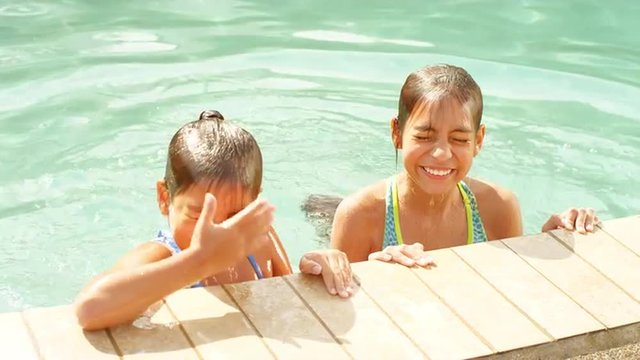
{"x":14,"y":337}
{"x":576,"y":278}
{"x":609,"y":256}
{"x":558,"y":315}
{"x":418,"y":311}
{"x":215,"y":325}
{"x":155,"y":335}
{"x":288,"y":327}
{"x":358,"y":323}
{"x":625,"y":230}
{"x":58,"y":335}
{"x":479,"y":305}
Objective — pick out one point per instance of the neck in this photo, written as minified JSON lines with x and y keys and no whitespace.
{"x":415,"y":198}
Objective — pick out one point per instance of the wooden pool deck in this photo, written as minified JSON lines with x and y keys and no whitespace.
{"x":552,"y":295}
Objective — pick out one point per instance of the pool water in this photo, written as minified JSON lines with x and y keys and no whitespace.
{"x":90,"y":94}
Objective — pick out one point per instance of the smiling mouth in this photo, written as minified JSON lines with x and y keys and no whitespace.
{"x":437,"y":172}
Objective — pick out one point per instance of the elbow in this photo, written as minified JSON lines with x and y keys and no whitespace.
{"x":88,"y":313}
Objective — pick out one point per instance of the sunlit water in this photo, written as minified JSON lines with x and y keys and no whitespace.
{"x":91,"y":92}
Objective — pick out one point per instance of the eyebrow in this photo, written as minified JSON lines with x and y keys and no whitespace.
{"x":428,"y":127}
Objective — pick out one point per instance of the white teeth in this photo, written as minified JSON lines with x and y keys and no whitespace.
{"x":438,"y":172}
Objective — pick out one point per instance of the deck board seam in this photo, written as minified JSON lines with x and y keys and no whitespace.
{"x":618,"y":241}
{"x":596,"y":269}
{"x":184,"y":331}
{"x":32,"y":336}
{"x":114,"y":343}
{"x":556,"y":286}
{"x":505,"y":297}
{"x":394,"y":322}
{"x":471,"y":328}
{"x":253,"y":326}
{"x":324,"y":325}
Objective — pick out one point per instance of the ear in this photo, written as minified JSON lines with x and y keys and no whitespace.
{"x":162,"y":194}
{"x":479,"y":139}
{"x":396,"y":134}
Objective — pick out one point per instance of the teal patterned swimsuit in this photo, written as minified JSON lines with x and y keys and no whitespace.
{"x":393,"y":235}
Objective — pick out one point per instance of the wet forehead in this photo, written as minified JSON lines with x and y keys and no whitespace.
{"x":443,"y":116}
{"x":227,"y":195}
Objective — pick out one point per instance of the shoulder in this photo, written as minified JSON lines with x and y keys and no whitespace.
{"x":498,"y":207}
{"x":365,"y":204}
{"x":279,"y":257}
{"x":358,"y":226}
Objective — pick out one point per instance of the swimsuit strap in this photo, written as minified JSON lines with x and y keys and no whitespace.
{"x":475,"y":228}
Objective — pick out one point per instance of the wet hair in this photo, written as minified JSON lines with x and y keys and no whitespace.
{"x":436,"y":83}
{"x":320,"y":211}
{"x":211,"y":149}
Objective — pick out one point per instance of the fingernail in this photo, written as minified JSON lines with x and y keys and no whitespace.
{"x":590,"y":227}
{"x":316,"y":269}
{"x":344,"y":294}
{"x":333,"y":291}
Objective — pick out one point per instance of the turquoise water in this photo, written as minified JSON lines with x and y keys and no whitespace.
{"x":90,"y":95}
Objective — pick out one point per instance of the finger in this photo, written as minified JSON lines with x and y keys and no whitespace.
{"x":309,"y":266}
{"x":580,"y":221}
{"x":380,"y":256}
{"x":569,"y":218}
{"x":424,"y":260}
{"x":554,"y":222}
{"x":590,"y":221}
{"x":413,"y":251}
{"x":253,"y":221}
{"x":345,"y":272}
{"x":399,"y":257}
{"x":208,"y":211}
{"x":329,"y":281}
{"x":338,"y":280}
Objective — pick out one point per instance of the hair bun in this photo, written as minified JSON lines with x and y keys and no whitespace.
{"x":211,"y":115}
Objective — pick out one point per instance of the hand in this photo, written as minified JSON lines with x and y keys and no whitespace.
{"x":235,"y":237}
{"x":581,"y":219}
{"x":334,"y":267}
{"x":407,"y":255}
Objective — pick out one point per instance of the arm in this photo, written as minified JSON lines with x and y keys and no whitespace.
{"x":146,"y":274}
{"x":139,"y":279}
{"x":503,"y":216}
{"x":352,"y":229}
{"x":279,"y":258}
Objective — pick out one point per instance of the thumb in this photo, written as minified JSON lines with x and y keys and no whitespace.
{"x":208,"y":211}
{"x":553,"y":223}
{"x":309,"y":266}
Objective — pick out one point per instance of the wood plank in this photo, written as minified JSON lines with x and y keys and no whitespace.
{"x":610,"y":257}
{"x":155,"y":335}
{"x":525,"y":287}
{"x":58,"y":335}
{"x":288,"y":327}
{"x":585,"y":285}
{"x":478,"y":304}
{"x":216,"y":326}
{"x":625,"y":230}
{"x":356,"y":322}
{"x":15,"y":338}
{"x":418,"y":311}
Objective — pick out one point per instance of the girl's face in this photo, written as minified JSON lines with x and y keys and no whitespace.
{"x":185,"y":207}
{"x":438,"y":142}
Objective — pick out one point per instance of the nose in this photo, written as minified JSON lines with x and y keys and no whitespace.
{"x":441,"y":151}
